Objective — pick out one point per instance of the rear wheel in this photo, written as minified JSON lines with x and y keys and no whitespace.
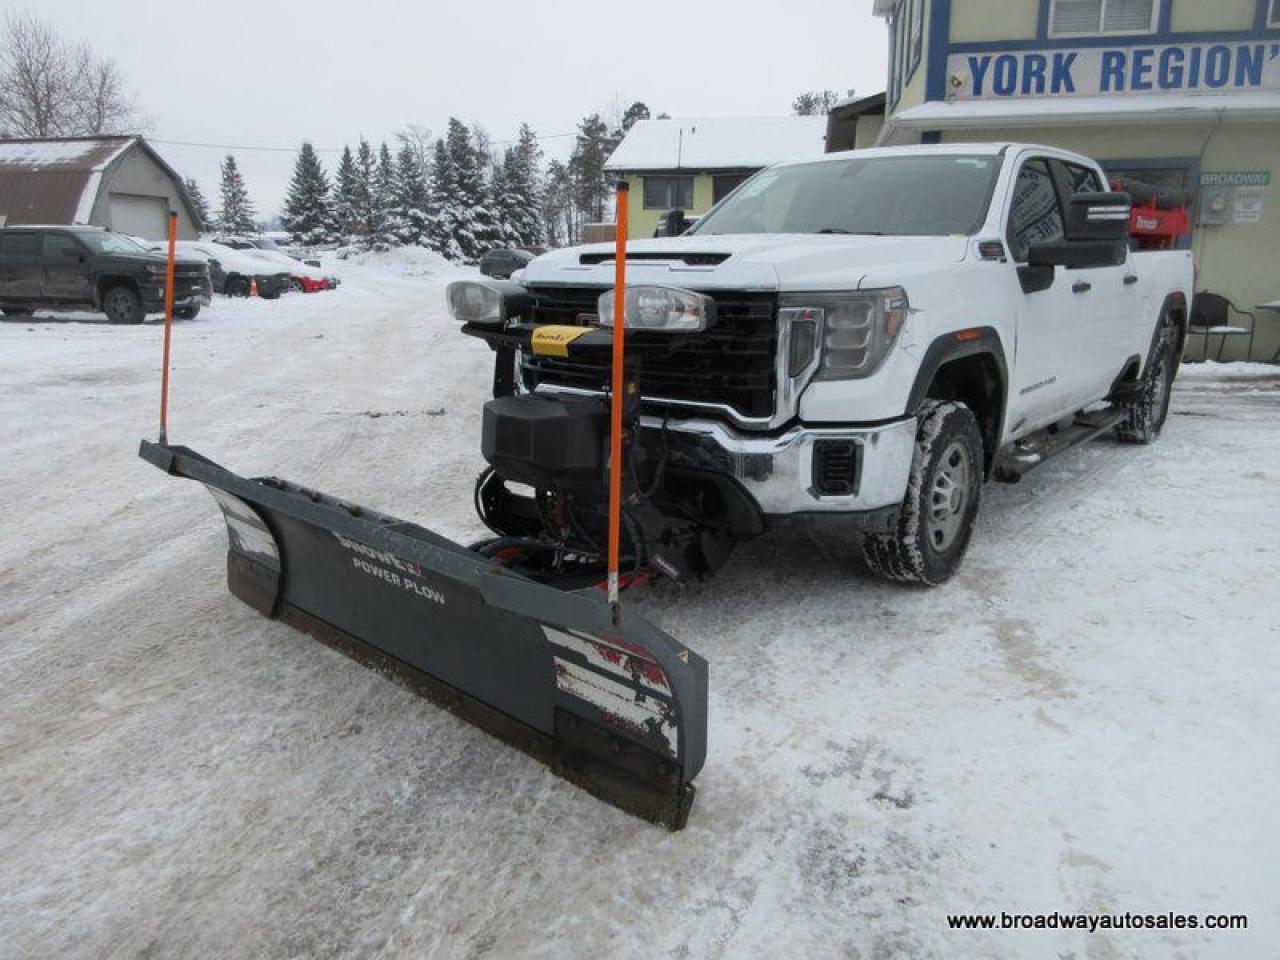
{"x":295,"y":285}
{"x":187,"y":313}
{"x":1146,"y":413}
{"x":18,"y":311}
{"x":943,"y":495}
{"x":237,"y":287}
{"x":122,"y":305}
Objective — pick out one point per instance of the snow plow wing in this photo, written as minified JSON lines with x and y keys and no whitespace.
{"x":619,"y":711}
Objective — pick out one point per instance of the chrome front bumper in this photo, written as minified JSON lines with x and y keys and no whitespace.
{"x":777,"y":471}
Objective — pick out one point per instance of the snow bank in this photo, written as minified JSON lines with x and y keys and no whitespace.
{"x":406,"y":262}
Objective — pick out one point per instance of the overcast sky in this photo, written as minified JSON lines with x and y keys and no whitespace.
{"x":272,"y":73}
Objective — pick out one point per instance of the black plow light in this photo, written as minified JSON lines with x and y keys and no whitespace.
{"x":490,"y":303}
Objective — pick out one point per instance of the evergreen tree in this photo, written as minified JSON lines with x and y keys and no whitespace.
{"x":411,"y":220}
{"x":559,"y":212}
{"x":237,"y":213}
{"x":444,"y":210}
{"x":383,"y":233}
{"x":521,"y":168}
{"x":364,"y":208}
{"x":503,"y":202}
{"x":813,"y":103}
{"x":463,"y":193}
{"x":488,"y":231}
{"x":344,"y":197}
{"x":634,"y":113}
{"x":592,"y":188}
{"x":307,"y":214}
{"x":200,"y":203}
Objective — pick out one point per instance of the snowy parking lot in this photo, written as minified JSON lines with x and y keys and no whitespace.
{"x":1084,"y":721}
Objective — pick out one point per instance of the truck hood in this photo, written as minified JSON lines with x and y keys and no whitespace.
{"x":137,"y":260}
{"x":779,"y":261}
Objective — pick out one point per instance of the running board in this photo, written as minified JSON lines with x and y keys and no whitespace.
{"x":620,"y":711}
{"x":1023,"y":456}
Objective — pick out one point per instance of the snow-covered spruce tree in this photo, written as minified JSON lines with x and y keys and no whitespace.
{"x":199,"y":202}
{"x":464,"y":194}
{"x":502,"y":200}
{"x":412,"y":214}
{"x":307,"y":214}
{"x":237,"y":213}
{"x":592,"y":190}
{"x":344,"y":197}
{"x":559,"y":211}
{"x":445,"y":212}
{"x":364,"y":203}
{"x":524,"y":180}
{"x":489,"y":232}
{"x":385,"y":228}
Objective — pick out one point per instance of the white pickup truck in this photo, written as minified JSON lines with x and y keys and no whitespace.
{"x":868,"y":335}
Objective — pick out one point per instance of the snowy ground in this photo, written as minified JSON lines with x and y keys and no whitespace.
{"x":1085,"y":720}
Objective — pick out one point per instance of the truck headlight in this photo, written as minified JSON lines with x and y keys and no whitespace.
{"x":856,"y":329}
{"x":487,"y":302}
{"x":662,"y":309}
{"x":157,"y":269}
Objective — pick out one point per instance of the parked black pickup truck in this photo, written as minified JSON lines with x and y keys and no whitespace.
{"x":88,"y":268}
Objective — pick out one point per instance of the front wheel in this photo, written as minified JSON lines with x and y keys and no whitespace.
{"x":122,"y":305}
{"x":943,"y":495}
{"x":187,"y":313}
{"x":1146,"y":413}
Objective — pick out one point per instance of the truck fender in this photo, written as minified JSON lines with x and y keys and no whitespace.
{"x":1174,"y":306}
{"x":957,"y":345}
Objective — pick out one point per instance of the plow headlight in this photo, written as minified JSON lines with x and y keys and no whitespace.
{"x":858,"y":328}
{"x":662,"y":309}
{"x":487,"y":302}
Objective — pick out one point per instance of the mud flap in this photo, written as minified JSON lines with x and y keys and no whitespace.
{"x":621,"y":712}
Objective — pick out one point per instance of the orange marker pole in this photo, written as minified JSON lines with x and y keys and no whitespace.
{"x":168,"y":326}
{"x":617,"y":399}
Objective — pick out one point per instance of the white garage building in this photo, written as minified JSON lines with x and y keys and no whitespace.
{"x":118,"y":182}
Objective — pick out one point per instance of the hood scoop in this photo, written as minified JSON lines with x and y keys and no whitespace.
{"x":687,"y":257}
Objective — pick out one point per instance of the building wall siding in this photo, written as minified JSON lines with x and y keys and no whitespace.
{"x":136,"y":173}
{"x":1199,"y":16}
{"x":980,"y":21}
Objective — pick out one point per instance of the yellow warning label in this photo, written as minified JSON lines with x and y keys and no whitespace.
{"x":553,"y":341}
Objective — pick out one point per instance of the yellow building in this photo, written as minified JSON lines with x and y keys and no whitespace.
{"x":690,"y":164}
{"x":1179,"y":93}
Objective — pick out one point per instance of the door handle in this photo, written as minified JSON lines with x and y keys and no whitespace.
{"x":1130,"y":279}
{"x":1081,"y":286}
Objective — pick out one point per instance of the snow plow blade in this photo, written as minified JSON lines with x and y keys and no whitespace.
{"x":621,"y":712}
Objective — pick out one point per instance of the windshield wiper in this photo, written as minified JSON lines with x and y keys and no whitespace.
{"x":852,"y":233}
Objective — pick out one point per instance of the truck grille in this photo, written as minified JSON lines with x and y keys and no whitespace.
{"x":732,"y":364}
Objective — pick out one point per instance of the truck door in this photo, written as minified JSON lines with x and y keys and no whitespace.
{"x":66,"y":274}
{"x":1105,"y":313}
{"x":1046,"y":352}
{"x":20,"y":273}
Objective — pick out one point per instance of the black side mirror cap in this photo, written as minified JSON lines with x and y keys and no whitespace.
{"x":1098,"y":216}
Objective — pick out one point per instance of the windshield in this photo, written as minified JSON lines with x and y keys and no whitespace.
{"x":933,"y":196}
{"x":110,"y":243}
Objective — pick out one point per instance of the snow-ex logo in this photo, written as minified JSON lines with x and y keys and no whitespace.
{"x":376,"y":563}
{"x":1175,"y":68}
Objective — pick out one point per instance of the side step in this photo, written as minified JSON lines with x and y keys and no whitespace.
{"x":1020,"y":458}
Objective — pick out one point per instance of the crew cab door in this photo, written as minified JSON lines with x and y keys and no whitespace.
{"x":1047,"y":347}
{"x":20,"y":271}
{"x":1105,"y":312}
{"x":66,"y":272}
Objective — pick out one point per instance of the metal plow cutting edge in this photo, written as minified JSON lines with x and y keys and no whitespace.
{"x":619,"y":711}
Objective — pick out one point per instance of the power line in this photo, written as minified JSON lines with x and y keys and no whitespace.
{"x":261,"y":149}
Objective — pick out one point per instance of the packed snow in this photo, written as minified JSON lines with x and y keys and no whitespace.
{"x":1084,"y":720}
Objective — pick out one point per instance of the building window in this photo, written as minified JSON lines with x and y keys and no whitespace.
{"x":1273,"y":15}
{"x":916,"y":36}
{"x":668,"y":193}
{"x":1077,"y":18}
{"x":722,"y":184}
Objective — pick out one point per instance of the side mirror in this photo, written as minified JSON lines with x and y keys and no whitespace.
{"x":1035,"y":278}
{"x":1098,"y":216}
{"x":1078,"y":254}
{"x":675,"y":223}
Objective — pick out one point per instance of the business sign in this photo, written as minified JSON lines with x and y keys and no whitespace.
{"x":1235,"y":178}
{"x":1089,"y":71}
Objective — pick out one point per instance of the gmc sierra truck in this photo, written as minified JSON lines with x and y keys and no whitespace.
{"x":88,"y":268}
{"x":868,"y":335}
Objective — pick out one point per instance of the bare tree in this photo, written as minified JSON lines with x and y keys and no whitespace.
{"x":420,"y":140}
{"x":51,"y":89}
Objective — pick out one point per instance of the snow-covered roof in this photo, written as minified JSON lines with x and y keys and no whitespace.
{"x":1046,"y":111}
{"x":712,"y":143}
{"x":81,"y":154}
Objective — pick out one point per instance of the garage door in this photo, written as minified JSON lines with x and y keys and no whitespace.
{"x":140,"y":216}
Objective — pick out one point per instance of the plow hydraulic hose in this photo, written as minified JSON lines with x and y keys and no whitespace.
{"x":617,"y":399}
{"x":168,"y":326}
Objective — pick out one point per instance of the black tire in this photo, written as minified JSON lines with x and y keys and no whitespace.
{"x":237,"y":287}
{"x":1146,"y":413}
{"x":943,"y":495}
{"x":18,"y":311}
{"x":187,"y":313}
{"x":122,"y":305}
{"x":295,"y":285}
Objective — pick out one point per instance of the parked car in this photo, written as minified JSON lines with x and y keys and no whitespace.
{"x":504,"y":262}
{"x":233,"y":272}
{"x":307,"y":276}
{"x":89,"y":268}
